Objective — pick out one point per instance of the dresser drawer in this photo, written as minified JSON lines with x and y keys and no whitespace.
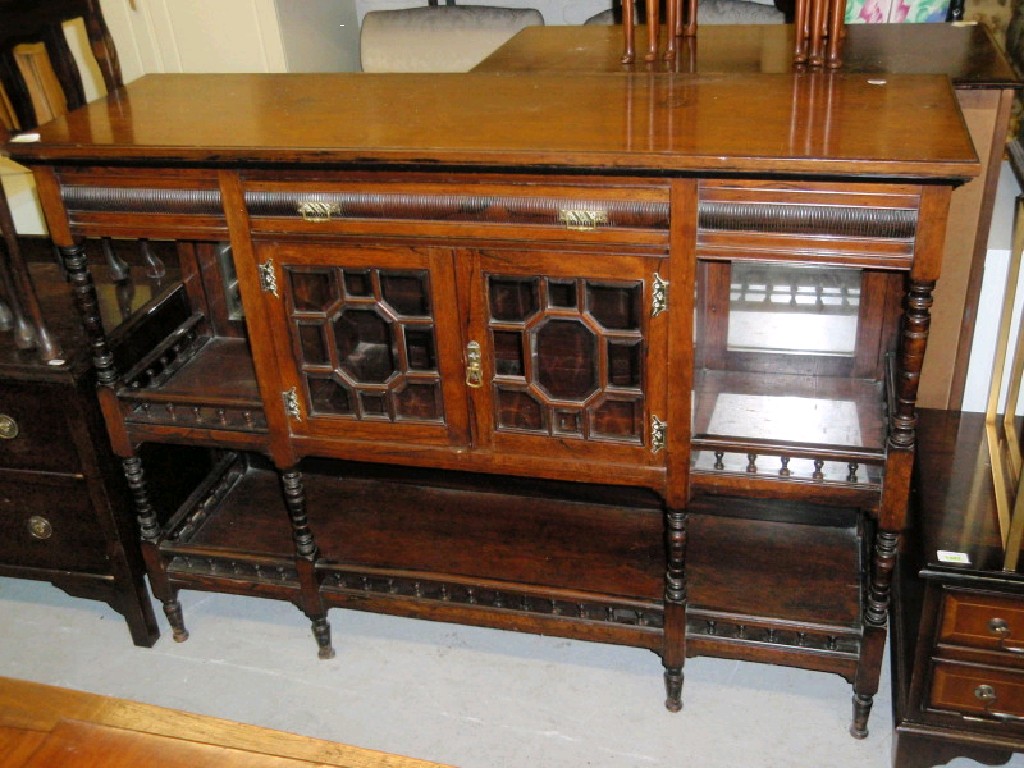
{"x":34,"y":429}
{"x":986,"y":621}
{"x":49,"y":523}
{"x":977,"y":691}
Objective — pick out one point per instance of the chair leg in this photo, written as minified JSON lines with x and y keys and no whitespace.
{"x":29,"y":326}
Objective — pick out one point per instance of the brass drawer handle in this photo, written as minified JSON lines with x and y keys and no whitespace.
{"x":987,"y":695}
{"x":39,"y":528}
{"x":1001,"y":628}
{"x":317,"y":210}
{"x":8,"y":427}
{"x":474,"y":367}
{"x":582,"y":218}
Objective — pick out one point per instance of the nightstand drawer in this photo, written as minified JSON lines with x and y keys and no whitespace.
{"x":34,"y":428}
{"x":49,"y":523}
{"x":978,"y":691}
{"x":982,"y":620}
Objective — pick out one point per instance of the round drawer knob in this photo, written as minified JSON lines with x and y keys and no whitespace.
{"x":8,"y":427}
{"x":985,"y":694}
{"x":39,"y":527}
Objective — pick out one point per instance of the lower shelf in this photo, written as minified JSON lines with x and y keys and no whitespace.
{"x":776,"y":582}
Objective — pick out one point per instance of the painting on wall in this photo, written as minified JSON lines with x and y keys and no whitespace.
{"x":895,"y":11}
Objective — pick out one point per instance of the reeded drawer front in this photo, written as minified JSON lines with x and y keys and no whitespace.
{"x":979,"y":620}
{"x":866,"y":225}
{"x":980,"y":691}
{"x":34,"y":429}
{"x":49,"y":523}
{"x":565,"y":210}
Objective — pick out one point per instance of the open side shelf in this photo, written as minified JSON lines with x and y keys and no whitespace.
{"x":770,"y":427}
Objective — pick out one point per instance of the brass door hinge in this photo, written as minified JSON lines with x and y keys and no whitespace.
{"x":659,"y":295}
{"x":291,"y":404}
{"x":268,"y":278}
{"x":658,"y":430}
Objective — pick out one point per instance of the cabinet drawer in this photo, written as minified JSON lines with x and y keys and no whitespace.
{"x":864,"y":225}
{"x":980,"y":620}
{"x":34,"y":429}
{"x":49,"y":523}
{"x":973,"y":690}
{"x":628,"y":213}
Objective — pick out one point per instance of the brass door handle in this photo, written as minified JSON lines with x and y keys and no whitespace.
{"x":474,"y":366}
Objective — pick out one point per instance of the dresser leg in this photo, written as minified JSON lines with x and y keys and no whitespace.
{"x":674,"y":653}
{"x":306,"y":556}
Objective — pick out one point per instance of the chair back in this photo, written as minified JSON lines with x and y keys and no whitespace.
{"x":438,"y":38}
{"x":37,"y":88}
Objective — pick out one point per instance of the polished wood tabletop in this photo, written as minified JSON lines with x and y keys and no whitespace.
{"x":965,"y":53}
{"x":905,"y":126}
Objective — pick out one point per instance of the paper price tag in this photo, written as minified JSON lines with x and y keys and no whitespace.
{"x":953,"y":558}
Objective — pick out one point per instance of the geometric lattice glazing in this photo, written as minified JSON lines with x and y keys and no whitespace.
{"x":568,"y":356}
{"x":364,"y":339}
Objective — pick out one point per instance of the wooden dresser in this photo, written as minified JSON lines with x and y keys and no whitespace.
{"x":65,"y":514}
{"x":958,"y":628}
{"x":600,"y":357}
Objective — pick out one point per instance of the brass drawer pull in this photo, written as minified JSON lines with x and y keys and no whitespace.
{"x":317,"y":210}
{"x":987,"y":695}
{"x":1001,"y":628}
{"x":582,"y":218}
{"x":39,"y":528}
{"x":474,"y":368}
{"x":8,"y":427}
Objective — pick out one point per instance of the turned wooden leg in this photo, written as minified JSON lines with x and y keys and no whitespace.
{"x":674,"y":653}
{"x":27,"y":316}
{"x":836,"y":25}
{"x":673,"y":22}
{"x":84,"y":291}
{"x":172,"y":610}
{"x":149,"y":531}
{"x":653,"y":26}
{"x":801,"y":31}
{"x":306,"y":555}
{"x":876,"y":616}
{"x":628,"y":26}
{"x":688,"y":19}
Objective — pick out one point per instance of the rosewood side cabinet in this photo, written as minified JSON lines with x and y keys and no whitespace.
{"x":596,"y":356}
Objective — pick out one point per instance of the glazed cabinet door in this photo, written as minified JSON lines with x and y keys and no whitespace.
{"x":565,"y":358}
{"x":366,"y":340}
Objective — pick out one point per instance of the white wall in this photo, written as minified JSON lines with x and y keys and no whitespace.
{"x":993,"y":286}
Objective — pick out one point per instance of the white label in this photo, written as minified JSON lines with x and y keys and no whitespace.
{"x":25,"y":138}
{"x":957,"y":558}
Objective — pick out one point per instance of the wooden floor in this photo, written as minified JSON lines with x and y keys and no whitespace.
{"x":47,"y":727}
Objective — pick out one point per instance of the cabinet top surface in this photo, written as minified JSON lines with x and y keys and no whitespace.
{"x":905,"y":126}
{"x":965,"y":53}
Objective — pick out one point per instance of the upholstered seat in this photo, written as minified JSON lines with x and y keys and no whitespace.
{"x":440,"y":38}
